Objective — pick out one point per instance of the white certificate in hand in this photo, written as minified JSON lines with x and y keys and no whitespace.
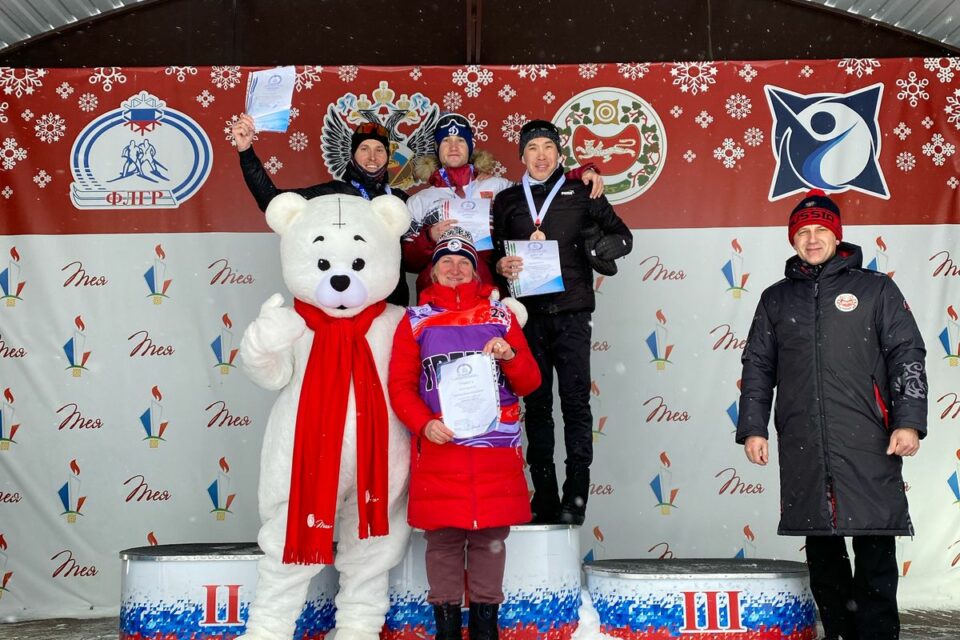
{"x":269,"y":98}
{"x":541,"y":267}
{"x":469,"y":397}
{"x":473,"y":214}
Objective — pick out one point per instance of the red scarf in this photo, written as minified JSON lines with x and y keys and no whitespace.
{"x":459,"y":178}
{"x":339,"y":353}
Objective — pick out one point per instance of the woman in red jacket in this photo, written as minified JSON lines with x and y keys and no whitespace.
{"x":465,"y":492}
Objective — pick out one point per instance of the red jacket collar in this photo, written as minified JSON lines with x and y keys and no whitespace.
{"x":462,"y":296}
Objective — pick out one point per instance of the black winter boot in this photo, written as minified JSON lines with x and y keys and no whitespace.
{"x":576,"y":488}
{"x":483,"y":621}
{"x":545,"y":504}
{"x":449,"y":621}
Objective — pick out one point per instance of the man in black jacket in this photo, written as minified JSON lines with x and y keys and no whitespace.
{"x":545,"y":206}
{"x":841,"y":347}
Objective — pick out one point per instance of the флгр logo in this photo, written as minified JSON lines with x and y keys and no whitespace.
{"x":152,"y":419}
{"x":70,"y":496}
{"x":219,"y":491}
{"x":156,"y":277}
{"x":10,"y":283}
{"x":76,"y":356}
{"x":223,"y":348}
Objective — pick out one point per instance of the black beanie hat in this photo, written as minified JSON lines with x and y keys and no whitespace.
{"x":538,"y":129}
{"x":369,"y":131}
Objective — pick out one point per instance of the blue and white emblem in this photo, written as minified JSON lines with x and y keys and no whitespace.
{"x":827,"y":141}
{"x":142,"y":155}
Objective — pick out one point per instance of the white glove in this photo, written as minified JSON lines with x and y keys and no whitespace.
{"x":275,"y":329}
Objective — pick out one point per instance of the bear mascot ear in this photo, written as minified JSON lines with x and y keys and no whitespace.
{"x":394,"y":213}
{"x":283,"y":210}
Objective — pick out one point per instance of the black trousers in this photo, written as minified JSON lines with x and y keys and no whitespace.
{"x":560,"y":342}
{"x":857,"y":605}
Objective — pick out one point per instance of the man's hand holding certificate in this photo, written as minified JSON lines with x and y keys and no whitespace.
{"x":540,"y":271}
{"x":469,"y":396}
{"x":269,"y":98}
{"x":473,"y":214}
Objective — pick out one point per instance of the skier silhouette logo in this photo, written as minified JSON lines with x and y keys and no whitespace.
{"x":141,"y":160}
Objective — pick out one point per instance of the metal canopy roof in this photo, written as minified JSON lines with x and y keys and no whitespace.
{"x":22,"y":20}
{"x":934,"y":20}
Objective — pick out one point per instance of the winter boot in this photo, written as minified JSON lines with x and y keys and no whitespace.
{"x":576,"y":488}
{"x":483,"y":621}
{"x":449,"y":621}
{"x":546,"y":495}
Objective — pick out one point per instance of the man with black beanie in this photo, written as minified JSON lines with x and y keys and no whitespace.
{"x":842,"y":349}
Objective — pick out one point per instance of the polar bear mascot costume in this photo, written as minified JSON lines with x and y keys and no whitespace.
{"x":333,"y":450}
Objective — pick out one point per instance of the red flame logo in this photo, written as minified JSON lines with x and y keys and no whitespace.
{"x":8,"y":395}
{"x":594,"y":388}
{"x":958,"y":454}
{"x":75,"y":467}
{"x":603,"y":421}
{"x":599,"y":281}
{"x":953,"y":314}
{"x":740,"y":384}
{"x":156,"y":393}
{"x":664,"y":460}
{"x":749,"y":533}
{"x":79,"y":322}
{"x":14,"y":254}
{"x":3,"y":543}
{"x":152,"y":539}
{"x":224,"y":465}
{"x":662,"y":318}
{"x":881,"y":244}
{"x":160,"y":253}
{"x":226,"y":321}
{"x":598,"y":534}
{"x":736,"y":246}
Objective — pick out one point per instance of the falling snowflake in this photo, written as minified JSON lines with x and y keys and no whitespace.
{"x":42,"y":179}
{"x":273,"y":165}
{"x":913,"y":89}
{"x":927,"y":122}
{"x":902,"y":131}
{"x":27,"y":115}
{"x":107,"y":76}
{"x":64,"y":90}
{"x":20,"y":82}
{"x":689,"y":156}
{"x":50,"y":128}
{"x":953,"y":109}
{"x":694,"y":77}
{"x":906,"y":161}
{"x":205,"y":98}
{"x":348,"y":73}
{"x":87,"y":102}
{"x":507,"y":93}
{"x":181,"y":72}
{"x":633,"y":70}
{"x":938,"y":149}
{"x":753,"y":137}
{"x":587,"y":71}
{"x":806,"y":71}
{"x":676,"y":111}
{"x":225,"y":77}
{"x":478,"y":126}
{"x":748,"y":73}
{"x":473,"y":76}
{"x":298,"y":141}
{"x":12,"y":153}
{"x":511,"y":127}
{"x":294,"y":113}
{"x":228,"y":130}
{"x":415,"y":73}
{"x":548,"y":97}
{"x":728,"y":153}
{"x":704,"y":119}
{"x":859,"y":66}
{"x":498,"y":169}
{"x":8,"y":192}
{"x":3,"y":112}
{"x":532,"y":71}
{"x":738,"y":106}
{"x":452,"y":101}
{"x":945,"y":67}
{"x":952,"y":182}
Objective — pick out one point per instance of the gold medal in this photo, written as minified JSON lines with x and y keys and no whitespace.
{"x":538,"y":235}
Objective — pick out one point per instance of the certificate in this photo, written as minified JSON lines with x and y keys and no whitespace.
{"x":541,"y":267}
{"x":469,"y":396}
{"x":473,"y":214}
{"x":269,"y":98}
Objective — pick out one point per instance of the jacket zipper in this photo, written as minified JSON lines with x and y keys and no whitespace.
{"x":831,"y":495}
{"x":473,"y":490}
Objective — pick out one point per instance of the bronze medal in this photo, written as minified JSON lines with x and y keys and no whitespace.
{"x":538,"y":235}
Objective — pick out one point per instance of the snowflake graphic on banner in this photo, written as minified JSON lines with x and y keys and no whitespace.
{"x":11,"y":153}
{"x":738,"y":106}
{"x":507,"y":93}
{"x":938,"y":149}
{"x":298,"y":141}
{"x":953,"y":109}
{"x":633,"y":70}
{"x":511,"y":127}
{"x":906,"y":161}
{"x":902,"y":131}
{"x":694,"y":77}
{"x":748,"y":73}
{"x":50,"y":128}
{"x":87,"y":102}
{"x":452,"y":101}
{"x":676,"y":111}
{"x":704,"y":119}
{"x":273,"y":165}
{"x":472,"y":77}
{"x":913,"y":89}
{"x":927,"y":122}
{"x":107,"y":76}
{"x":228,"y":130}
{"x":64,"y":90}
{"x":181,"y":73}
{"x":27,"y":115}
{"x":953,"y":182}
{"x":729,"y":152}
{"x":306,"y":78}
{"x":689,"y":155}
{"x":348,"y":73}
{"x":945,"y":67}
{"x":587,"y":71}
{"x":205,"y":98}
{"x":7,"y":192}
{"x":478,"y":126}
{"x":225,"y":78}
{"x":753,"y":137}
{"x":806,"y":72}
{"x":548,"y":97}
{"x":859,"y":66}
{"x":499,"y":170}
{"x":415,"y":73}
{"x":42,"y":179}
{"x":20,"y":82}
{"x":532,"y":71}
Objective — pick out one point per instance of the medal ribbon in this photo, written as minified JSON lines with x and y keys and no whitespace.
{"x":538,"y":216}
{"x":363,"y":192}
{"x":472,"y":184}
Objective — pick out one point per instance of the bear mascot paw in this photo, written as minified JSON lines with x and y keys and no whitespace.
{"x":333,"y":450}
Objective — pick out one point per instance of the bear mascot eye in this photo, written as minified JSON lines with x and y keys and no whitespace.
{"x":358,"y":264}
{"x":323,"y":264}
